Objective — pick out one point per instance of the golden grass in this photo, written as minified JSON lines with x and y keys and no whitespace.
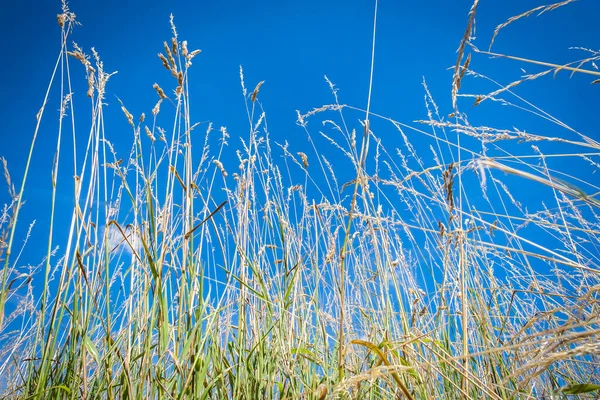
{"x":428,"y":279}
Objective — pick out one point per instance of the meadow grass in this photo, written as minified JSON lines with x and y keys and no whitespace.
{"x":419,"y":274}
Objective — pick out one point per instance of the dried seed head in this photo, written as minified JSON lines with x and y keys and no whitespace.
{"x":156,"y":108}
{"x":164,"y":61}
{"x":224,"y":135}
{"x":194,"y":53}
{"x":321,"y":391}
{"x":184,"y":49}
{"x":304,"y":158}
{"x":180,"y":78}
{"x":174,"y":45}
{"x":242,"y":81}
{"x":160,"y":92}
{"x":162,"y":134}
{"x":256,"y":89}
{"x":178,"y":90}
{"x":142,"y":117}
{"x":448,"y":183}
{"x":219,"y":165}
{"x":465,"y":68}
{"x":61,"y":19}
{"x":170,"y":56}
{"x":90,"y":78}
{"x":128,"y":115}
{"x":65,"y":104}
{"x":149,"y":134}
{"x":78,"y":55}
{"x":461,"y":51}
{"x":190,"y":56}
{"x":172,"y":22}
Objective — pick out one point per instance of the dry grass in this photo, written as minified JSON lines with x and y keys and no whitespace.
{"x":424,"y":276}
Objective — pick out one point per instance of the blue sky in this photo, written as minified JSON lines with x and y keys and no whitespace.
{"x":290,"y":45}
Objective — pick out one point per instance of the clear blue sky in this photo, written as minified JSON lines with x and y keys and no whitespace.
{"x":291,"y":45}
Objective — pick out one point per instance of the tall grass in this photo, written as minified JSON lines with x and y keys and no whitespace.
{"x":418,"y":274}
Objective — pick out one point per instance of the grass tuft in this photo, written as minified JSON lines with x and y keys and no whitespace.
{"x":399,"y":270}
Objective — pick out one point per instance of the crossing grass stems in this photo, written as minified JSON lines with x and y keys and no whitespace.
{"x":421,"y":277}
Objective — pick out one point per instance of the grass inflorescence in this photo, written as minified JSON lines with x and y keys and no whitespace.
{"x":421,"y":276}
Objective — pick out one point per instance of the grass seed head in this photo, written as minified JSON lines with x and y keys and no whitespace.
{"x":174,"y":45}
{"x":219,"y":165}
{"x":256,"y":89}
{"x":184,"y":49}
{"x":90,"y":79}
{"x":304,"y":158}
{"x":156,"y":108}
{"x":127,"y":115}
{"x":165,"y":62}
{"x":149,"y":134}
{"x":171,"y":59}
{"x":159,"y":90}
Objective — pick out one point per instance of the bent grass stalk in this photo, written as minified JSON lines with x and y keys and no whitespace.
{"x":423,"y":276}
